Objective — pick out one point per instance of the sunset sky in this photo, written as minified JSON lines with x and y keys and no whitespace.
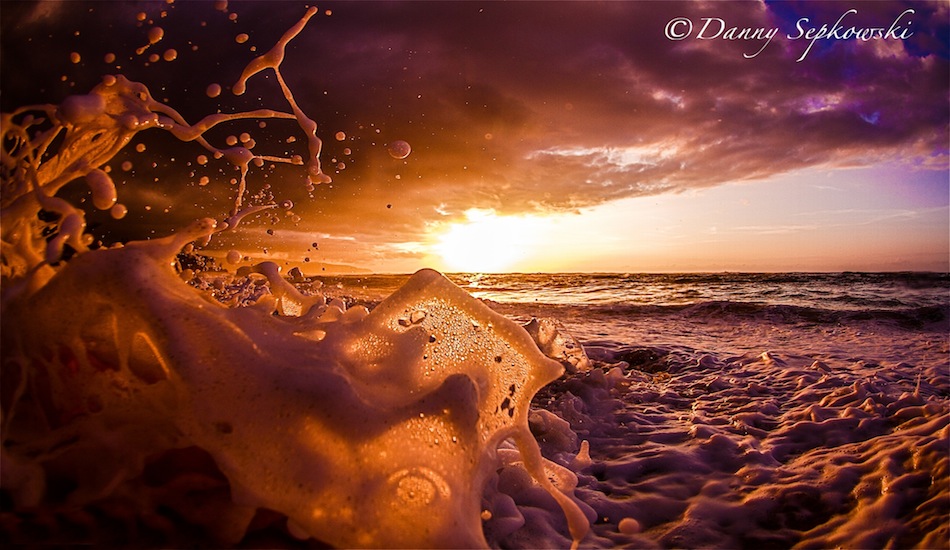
{"x":546,"y":136}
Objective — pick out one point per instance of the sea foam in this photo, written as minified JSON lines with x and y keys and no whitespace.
{"x":364,"y":429}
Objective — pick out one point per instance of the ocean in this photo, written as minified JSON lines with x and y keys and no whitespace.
{"x":655,"y":292}
{"x":612,"y":305}
{"x":735,"y":410}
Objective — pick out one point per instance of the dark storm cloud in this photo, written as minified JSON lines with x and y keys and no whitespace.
{"x":562,"y":105}
{"x":528,"y":106}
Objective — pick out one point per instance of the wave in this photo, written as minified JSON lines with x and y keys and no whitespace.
{"x":909,"y":300}
{"x":935,"y":317}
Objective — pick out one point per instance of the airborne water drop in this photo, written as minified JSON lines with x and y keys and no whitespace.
{"x":399,"y":149}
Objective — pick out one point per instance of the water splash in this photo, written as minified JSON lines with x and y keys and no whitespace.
{"x":363,"y":428}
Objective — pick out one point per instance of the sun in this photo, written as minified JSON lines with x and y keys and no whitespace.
{"x":488,"y":243}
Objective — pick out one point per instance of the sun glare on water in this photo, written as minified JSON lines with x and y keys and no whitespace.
{"x":490,"y":243}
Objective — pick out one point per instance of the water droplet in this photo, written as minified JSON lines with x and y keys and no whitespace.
{"x":118,"y":211}
{"x":399,"y":149}
{"x":155,"y":34}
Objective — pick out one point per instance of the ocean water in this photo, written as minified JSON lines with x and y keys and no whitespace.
{"x":737,"y":410}
{"x":833,"y":292}
{"x":605,"y":304}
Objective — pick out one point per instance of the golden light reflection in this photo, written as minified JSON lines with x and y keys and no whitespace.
{"x":490,"y":243}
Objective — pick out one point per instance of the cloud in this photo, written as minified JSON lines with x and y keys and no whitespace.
{"x":583,"y":104}
{"x":537,"y":108}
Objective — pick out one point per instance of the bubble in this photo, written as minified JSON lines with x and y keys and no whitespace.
{"x":118,"y":211}
{"x":109,"y":58}
{"x":340,"y":136}
{"x":214,"y":90}
{"x":399,"y":149}
{"x":170,"y":55}
{"x":347,"y":151}
{"x":241,"y":38}
{"x":75,"y":57}
{"x":341,"y":166}
{"x":287,"y":204}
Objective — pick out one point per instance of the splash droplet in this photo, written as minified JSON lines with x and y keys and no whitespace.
{"x":155,"y":34}
{"x":118,"y":211}
{"x":399,"y":149}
